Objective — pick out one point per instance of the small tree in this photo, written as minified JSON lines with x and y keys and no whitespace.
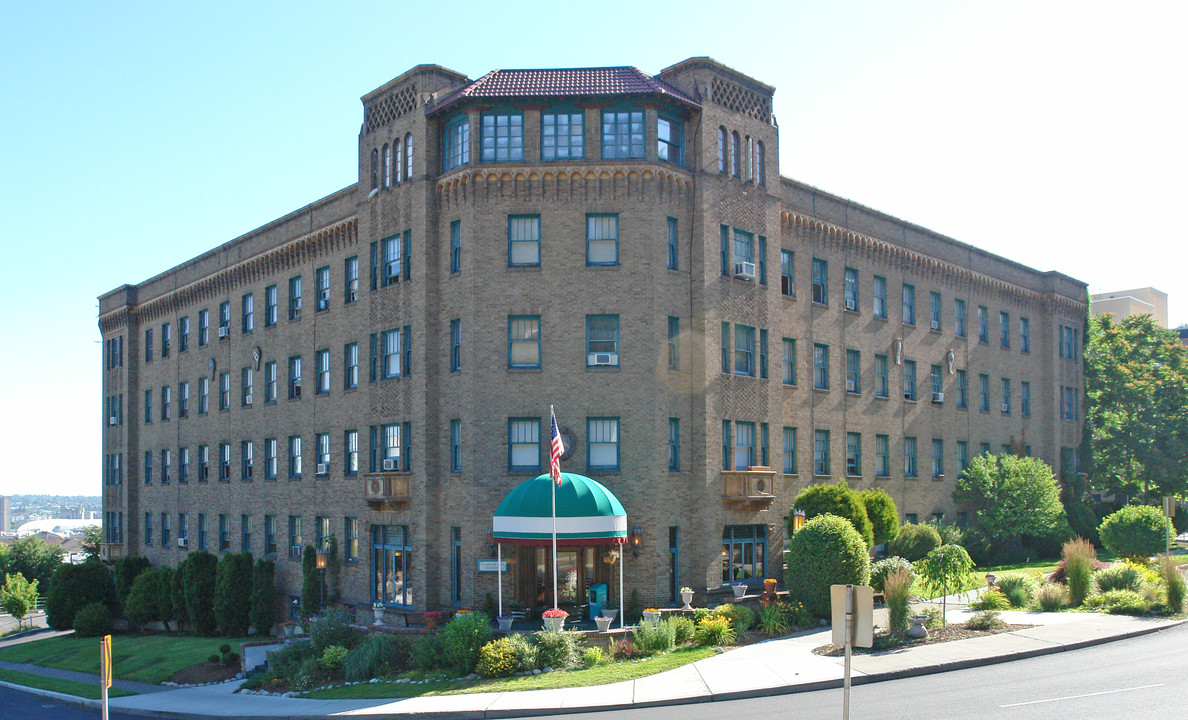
{"x":263,"y":600}
{"x":17,"y":596}
{"x":74,"y":586}
{"x":1011,"y":496}
{"x":883,"y":515}
{"x":333,"y":570}
{"x":310,"y":582}
{"x":1136,"y":532}
{"x":92,"y":537}
{"x":151,"y":597}
{"x":837,"y":499}
{"x":198,"y":583}
{"x":36,"y":560}
{"x":945,"y":567}
{"x":232,"y":595}
{"x":127,"y":569}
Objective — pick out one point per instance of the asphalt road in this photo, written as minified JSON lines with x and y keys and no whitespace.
{"x":17,"y":705}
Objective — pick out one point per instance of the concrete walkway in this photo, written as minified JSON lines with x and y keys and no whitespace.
{"x":773,"y":667}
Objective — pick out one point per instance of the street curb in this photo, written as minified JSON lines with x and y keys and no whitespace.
{"x":53,"y":695}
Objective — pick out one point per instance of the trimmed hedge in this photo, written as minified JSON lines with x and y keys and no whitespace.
{"x":914,"y":542}
{"x":826,"y":551}
{"x":232,"y":594}
{"x":72,"y":587}
{"x":151,"y":596}
{"x":263,"y":599}
{"x":882,"y":513}
{"x":93,"y":620}
{"x":198,"y":585}
{"x":837,"y":499}
{"x":1135,"y":531}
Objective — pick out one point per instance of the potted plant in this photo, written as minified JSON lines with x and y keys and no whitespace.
{"x":687,"y":598}
{"x":739,"y":589}
{"x":611,"y":609}
{"x":769,"y":586}
{"x":505,"y":622}
{"x":603,"y":623}
{"x":554,"y":619}
{"x":377,"y":609}
{"x":432,"y":618}
{"x":651,"y":615}
{"x":990,"y":578}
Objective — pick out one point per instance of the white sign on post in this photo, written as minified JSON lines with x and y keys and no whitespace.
{"x":863,"y":615}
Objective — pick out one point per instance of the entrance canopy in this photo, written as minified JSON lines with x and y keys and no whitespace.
{"x":587,"y":513}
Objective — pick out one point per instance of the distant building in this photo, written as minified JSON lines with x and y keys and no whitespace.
{"x":5,"y":513}
{"x":1124,"y":303}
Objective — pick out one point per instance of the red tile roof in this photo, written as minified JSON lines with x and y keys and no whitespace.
{"x":563,"y":82}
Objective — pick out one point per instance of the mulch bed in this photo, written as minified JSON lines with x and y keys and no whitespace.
{"x":883,"y":641}
{"x":205,"y":672}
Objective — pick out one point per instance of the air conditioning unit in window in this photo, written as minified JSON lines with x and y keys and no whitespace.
{"x":744,"y":270}
{"x":602,"y":359}
{"x":295,"y":551}
{"x":224,"y":331}
{"x":183,"y":542}
{"x":1006,"y":408}
{"x":297,"y":390}
{"x":323,"y":468}
{"x":391,"y":464}
{"x":938,"y":397}
{"x":852,"y":305}
{"x":247,"y":399}
{"x":113,"y":420}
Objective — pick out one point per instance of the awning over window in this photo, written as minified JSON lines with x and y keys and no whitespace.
{"x":587,"y":513}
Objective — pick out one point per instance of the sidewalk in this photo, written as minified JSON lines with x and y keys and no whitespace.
{"x":773,"y":667}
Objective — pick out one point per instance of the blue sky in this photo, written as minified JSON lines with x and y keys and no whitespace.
{"x":137,"y":135}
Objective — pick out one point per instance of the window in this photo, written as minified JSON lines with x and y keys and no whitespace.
{"x":962,"y":454}
{"x":165,"y":403}
{"x":744,"y":350}
{"x":622,"y":134}
{"x":148,"y":467}
{"x":455,"y":446}
{"x":787,"y":286}
{"x":820,"y":452}
{"x":455,"y":345}
{"x":761,"y":163}
{"x":762,"y":353}
{"x":295,"y":456}
{"x":674,"y":444}
{"x":962,"y":398}
{"x":1025,"y":399}
{"x":148,"y":528}
{"x":602,"y":340}
{"x":881,"y":382}
{"x":270,"y":535}
{"x":350,"y":279}
{"x":374,"y":168}
{"x":669,"y":140}
{"x":523,"y":341}
{"x":909,"y":457}
{"x":882,"y":458}
{"x":224,"y":320}
{"x":959,"y":317}
{"x":672,"y":244}
{"x":674,"y":332}
{"x":148,"y":407}
{"x":744,"y":553}
{"x":322,"y":281}
{"x":350,"y":536}
{"x":722,"y":150}
{"x":224,"y":462}
{"x":602,"y":444}
{"x":909,"y":379}
{"x":725,"y":344}
{"x":203,"y":395}
{"x":115,"y":349}
{"x":734,"y":152}
{"x":853,"y":454}
{"x":201,"y":531}
{"x":523,"y":445}
{"x":562,"y":136}
{"x":246,"y":377}
{"x":247,"y":314}
{"x":724,"y":249}
{"x":203,"y":463}
{"x":390,"y":364}
{"x":386,"y":166}
{"x":350,"y":365}
{"x":821,"y":367}
{"x":457,"y":143}
{"x":602,"y":239}
{"x":983,"y":329}
{"x":270,"y":306}
{"x":224,"y":391}
{"x":391,"y":563}
{"x":322,"y":368}
{"x":850,"y":289}
{"x":183,"y":531}
{"x":502,"y":137}
{"x":295,"y":541}
{"x":270,"y":382}
{"x":744,"y":445}
{"x":853,"y":363}
{"x":295,"y":298}
{"x":183,"y":395}
{"x":820,"y":281}
{"x":762,"y":264}
{"x":934,"y":311}
{"x":183,"y":334}
{"x":224,"y":531}
{"x":879,"y":294}
{"x":247,"y":459}
{"x":935,"y":376}
{"x":726,"y":458}
{"x":148,"y":345}
{"x":909,"y":304}
{"x":1004,"y":330}
{"x":744,"y":246}
{"x":938,"y":459}
{"x":203,"y":328}
{"x":788,"y":361}
{"x":523,"y":241}
{"x":789,"y":451}
{"x":984,"y":392}
{"x":456,"y":566}
{"x":350,"y":446}
{"x":391,"y":249}
{"x":456,"y":247}
{"x":322,"y":446}
{"x":165,"y":340}
{"x":1024,"y":335}
{"x":1006,"y":396}
{"x":270,"y":460}
{"x":164,"y":529}
{"x":408,"y":156}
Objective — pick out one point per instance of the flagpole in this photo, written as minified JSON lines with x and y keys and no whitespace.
{"x":553,"y":420}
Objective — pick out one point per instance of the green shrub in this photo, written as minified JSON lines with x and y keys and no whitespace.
{"x":177,"y":594}
{"x":377,"y":655}
{"x":826,"y":551}
{"x":1119,"y":576}
{"x":425,"y":652}
{"x":1180,"y":520}
{"x":333,"y":627}
{"x":225,"y":648}
{"x":624,"y":649}
{"x":1051,"y":597}
{"x":213,"y":658}
{"x":125,"y":571}
{"x":263,"y":597}
{"x":653,"y":637}
{"x":936,"y":616}
{"x":198,"y":577}
{"x":882,"y":513}
{"x":73,"y":586}
{"x":592,"y":656}
{"x":914,"y":542}
{"x":682,"y":629}
{"x":232,"y":594}
{"x":985,"y":620}
{"x":558,"y":650}
{"x":496,"y":659}
{"x":461,"y":640}
{"x":1048,"y":544}
{"x":991,"y":599}
{"x":92,"y":620}
{"x":740,"y":616}
{"x":715,"y":630}
{"x":525,"y":650}
{"x":1135,"y":531}
{"x":1118,"y":602}
{"x":230,"y":659}
{"x":700,"y":614}
{"x":1079,"y":559}
{"x":634,"y":607}
{"x":1173,"y":580}
{"x":286,"y":663}
{"x":149,"y":590}
{"x":879,"y":570}
{"x":773,"y":620}
{"x":897,"y":588}
{"x":839,"y":500}
{"x":332,"y":658}
{"x":312,"y":590}
{"x":950,"y":533}
{"x":1020,"y":588}
{"x":1082,"y":521}
{"x":309,"y":675}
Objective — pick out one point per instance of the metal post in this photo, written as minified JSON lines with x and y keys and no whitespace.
{"x":849,"y":646}
{"x":554,"y":542}
{"x":499,"y":567}
{"x":622,"y":608}
{"x":105,"y":678}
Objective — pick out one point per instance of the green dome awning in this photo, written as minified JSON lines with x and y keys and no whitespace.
{"x":587,"y":513}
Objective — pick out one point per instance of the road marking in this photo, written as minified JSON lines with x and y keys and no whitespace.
{"x":1074,"y":697}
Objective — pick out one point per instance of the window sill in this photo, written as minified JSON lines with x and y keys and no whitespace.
{"x":603,"y":368}
{"x":527,"y":370}
{"x":791,"y":297}
{"x":935,"y":331}
{"x":522,"y":268}
{"x":602,"y":266}
{"x":882,"y":397}
{"x":820,"y":389}
{"x":879,"y":317}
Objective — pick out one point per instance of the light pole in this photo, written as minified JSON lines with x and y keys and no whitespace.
{"x":320,"y":563}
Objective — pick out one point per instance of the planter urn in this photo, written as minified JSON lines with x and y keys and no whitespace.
{"x":505,"y":623}
{"x":653,"y":616}
{"x":378,"y":612}
{"x":554,"y":624}
{"x":603,"y":623}
{"x":739,"y":590}
{"x":687,"y":599}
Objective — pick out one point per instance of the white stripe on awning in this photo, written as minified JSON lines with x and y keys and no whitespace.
{"x":593,"y":524}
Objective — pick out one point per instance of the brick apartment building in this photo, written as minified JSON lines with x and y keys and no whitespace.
{"x":379,"y":364}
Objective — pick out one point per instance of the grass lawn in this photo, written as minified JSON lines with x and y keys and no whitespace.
{"x":143,"y":658}
{"x":67,"y":687}
{"x":582,"y":677}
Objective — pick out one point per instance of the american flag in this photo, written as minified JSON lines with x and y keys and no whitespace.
{"x":556,"y":448}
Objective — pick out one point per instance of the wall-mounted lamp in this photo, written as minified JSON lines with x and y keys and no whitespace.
{"x":636,"y":540}
{"x":320,"y":560}
{"x":798,"y":517}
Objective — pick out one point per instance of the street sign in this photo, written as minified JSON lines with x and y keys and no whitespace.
{"x":1169,"y":506}
{"x":862,"y":632}
{"x":104,"y":671}
{"x":491,"y":565}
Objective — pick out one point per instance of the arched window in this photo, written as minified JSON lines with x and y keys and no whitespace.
{"x":408,"y":152}
{"x":397,"y":162}
{"x":374,"y":168}
{"x":760,"y":164}
{"x":734,"y":168}
{"x":722,"y":150}
{"x":387,"y":155}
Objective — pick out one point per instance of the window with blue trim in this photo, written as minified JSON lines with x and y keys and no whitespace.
{"x":820,"y":366}
{"x":322,"y":281}
{"x":935,"y":376}
{"x":456,"y":246}
{"x":602,"y":239}
{"x":670,"y":136}
{"x":1025,"y":398}
{"x":744,"y":553}
{"x":391,"y":562}
{"x":726,"y":459}
{"x":673,"y":261}
{"x":787,"y":282}
{"x":882,"y":456}
{"x":456,"y":152}
{"x":725,"y":344}
{"x":523,"y":341}
{"x":909,"y":457}
{"x":724,"y":250}
{"x":909,"y":304}
{"x":820,"y":281}
{"x":602,"y":444}
{"x":1024,"y":335}
{"x":853,"y":454}
{"x":455,"y":446}
{"x":523,"y":444}
{"x":853,"y":375}
{"x":909,"y":379}
{"x":959,"y":317}
{"x":391,"y":260}
{"x":390,"y":365}
{"x":762,"y":353}
{"x":523,"y":241}
{"x":455,"y":345}
{"x":674,"y":331}
{"x":850,"y":288}
{"x":602,"y":339}
{"x":961,"y":389}
{"x":881,"y":376}
{"x":879,"y":295}
{"x":744,"y":246}
{"x":1004,"y":330}
{"x":562,"y":136}
{"x":502,"y":137}
{"x":934,"y":311}
{"x":762,"y":260}
{"x":788,"y":361}
{"x":820,"y":452}
{"x":674,"y":444}
{"x":744,"y":445}
{"x":744,"y":350}
{"x":622,"y":134}
{"x":789,"y":451}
